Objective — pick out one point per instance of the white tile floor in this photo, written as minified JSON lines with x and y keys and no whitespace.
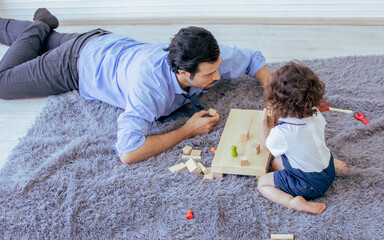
{"x":278,"y":43}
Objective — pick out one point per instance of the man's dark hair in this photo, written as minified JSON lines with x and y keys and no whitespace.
{"x":191,"y":46}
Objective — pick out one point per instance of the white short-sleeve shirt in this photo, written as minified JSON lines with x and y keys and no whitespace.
{"x":302,"y":141}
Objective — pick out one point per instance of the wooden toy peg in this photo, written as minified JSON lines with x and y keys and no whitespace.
{"x":255,"y":148}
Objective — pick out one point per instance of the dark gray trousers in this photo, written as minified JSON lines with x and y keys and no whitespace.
{"x":39,"y":62}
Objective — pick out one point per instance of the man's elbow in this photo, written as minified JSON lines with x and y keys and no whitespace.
{"x":129,"y":158}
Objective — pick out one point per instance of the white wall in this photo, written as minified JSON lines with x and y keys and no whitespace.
{"x":154,"y":10}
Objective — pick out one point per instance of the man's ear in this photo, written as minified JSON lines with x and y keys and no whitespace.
{"x":183,"y":73}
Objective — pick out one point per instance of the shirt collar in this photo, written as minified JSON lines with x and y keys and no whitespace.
{"x":293,"y":120}
{"x":179,"y":90}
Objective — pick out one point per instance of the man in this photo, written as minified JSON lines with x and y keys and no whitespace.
{"x":149,"y":81}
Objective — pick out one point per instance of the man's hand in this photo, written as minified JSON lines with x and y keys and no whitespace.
{"x":199,"y":124}
{"x":263,"y":75}
{"x":156,"y":144}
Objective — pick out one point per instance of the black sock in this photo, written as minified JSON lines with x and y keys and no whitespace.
{"x":45,"y":16}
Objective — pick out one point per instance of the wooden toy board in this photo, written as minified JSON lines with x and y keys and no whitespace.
{"x":223,"y":162}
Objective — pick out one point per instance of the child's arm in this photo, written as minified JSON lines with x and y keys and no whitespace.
{"x":264,"y":129}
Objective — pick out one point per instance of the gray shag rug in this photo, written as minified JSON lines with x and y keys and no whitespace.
{"x":64,"y":181}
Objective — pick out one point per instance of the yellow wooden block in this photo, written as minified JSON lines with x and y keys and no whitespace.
{"x":244,"y":161}
{"x":282,"y":236}
{"x":244,"y":135}
{"x":187,"y":150}
{"x":217,"y":175}
{"x":270,"y":119}
{"x":223,"y":162}
{"x":208,"y":174}
{"x":202,"y":167}
{"x":186,"y":157}
{"x":255,"y":148}
{"x":195,"y":152}
{"x":178,"y":167}
{"x":192,"y":166}
{"x":212,"y":112}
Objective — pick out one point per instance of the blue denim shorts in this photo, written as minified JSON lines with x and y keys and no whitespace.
{"x":309,"y":185}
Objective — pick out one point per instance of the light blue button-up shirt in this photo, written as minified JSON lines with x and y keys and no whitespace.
{"x":136,"y":76}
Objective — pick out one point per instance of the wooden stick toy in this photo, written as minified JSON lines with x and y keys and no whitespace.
{"x":324,"y":107}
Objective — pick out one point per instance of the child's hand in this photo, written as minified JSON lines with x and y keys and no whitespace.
{"x":264,"y":115}
{"x":263,"y":129}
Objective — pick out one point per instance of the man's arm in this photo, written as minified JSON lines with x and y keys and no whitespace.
{"x":157,"y":144}
{"x":263,"y":75}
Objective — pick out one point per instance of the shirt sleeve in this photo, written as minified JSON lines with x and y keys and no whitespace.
{"x":130,"y":133}
{"x":141,"y":110}
{"x":237,"y":61}
{"x":276,"y":142}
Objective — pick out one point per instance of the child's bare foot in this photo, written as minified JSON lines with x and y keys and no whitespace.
{"x":340,"y":165}
{"x":300,"y":204}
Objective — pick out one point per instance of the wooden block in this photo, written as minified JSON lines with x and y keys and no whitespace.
{"x":223,"y":162}
{"x":192,"y":166}
{"x":211,"y":112}
{"x":186,"y":157}
{"x":209,"y":174}
{"x":217,"y":175}
{"x":270,"y":119}
{"x":282,"y":236}
{"x":178,"y":167}
{"x":244,"y":136}
{"x":255,"y":148}
{"x":244,"y":161}
{"x":187,"y":150}
{"x":202,"y":167}
{"x":195,"y":152}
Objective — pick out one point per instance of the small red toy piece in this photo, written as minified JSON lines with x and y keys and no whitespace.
{"x":189,"y":214}
{"x":323,"y":107}
{"x":361,"y":117}
{"x":213,"y":150}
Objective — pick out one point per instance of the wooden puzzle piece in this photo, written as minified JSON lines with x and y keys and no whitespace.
{"x":223,"y":162}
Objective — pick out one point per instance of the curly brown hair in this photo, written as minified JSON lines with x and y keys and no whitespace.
{"x":293,"y":91}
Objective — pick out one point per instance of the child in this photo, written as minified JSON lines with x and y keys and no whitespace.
{"x":304,"y":166}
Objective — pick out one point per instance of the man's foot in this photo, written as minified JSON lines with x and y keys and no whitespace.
{"x":300,"y":204}
{"x":340,"y":165}
{"x":45,"y":16}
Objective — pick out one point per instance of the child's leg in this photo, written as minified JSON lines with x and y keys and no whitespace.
{"x":277,"y":164}
{"x":340,"y":165}
{"x":266,"y":187}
